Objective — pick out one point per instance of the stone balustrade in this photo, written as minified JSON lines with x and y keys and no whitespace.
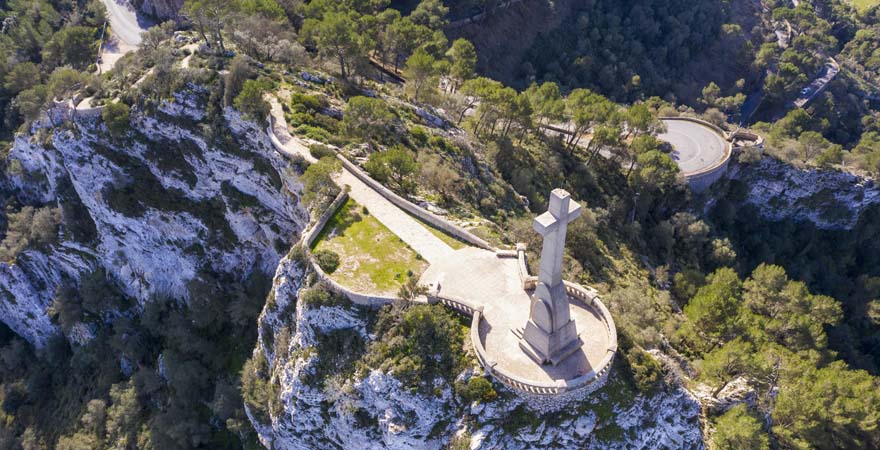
{"x":589,"y":381}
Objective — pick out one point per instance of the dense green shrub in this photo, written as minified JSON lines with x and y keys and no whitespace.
{"x":29,"y":227}
{"x":256,"y":388}
{"x":417,"y":345}
{"x":646,"y":372}
{"x":250,"y":100}
{"x":117,"y":116}
{"x":478,"y":389}
{"x":737,"y":429}
{"x":395,"y":166}
{"x":328,"y":260}
{"x":301,"y":102}
{"x":322,"y":296}
{"x":319,"y":189}
{"x":319,"y":151}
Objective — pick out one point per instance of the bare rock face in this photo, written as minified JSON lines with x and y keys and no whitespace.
{"x":160,"y":9}
{"x":165,"y":206}
{"x":830,"y":199}
{"x":373,"y":410}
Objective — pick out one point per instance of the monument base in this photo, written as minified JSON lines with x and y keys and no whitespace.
{"x":549,"y":348}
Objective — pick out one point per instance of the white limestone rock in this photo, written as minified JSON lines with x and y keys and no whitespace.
{"x":160,"y":251}
{"x":829,"y":199}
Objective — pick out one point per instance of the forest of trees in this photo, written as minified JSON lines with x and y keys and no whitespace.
{"x":790,"y":309}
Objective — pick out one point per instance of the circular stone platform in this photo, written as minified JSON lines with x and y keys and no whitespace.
{"x":483,"y":279}
{"x":696,"y":147}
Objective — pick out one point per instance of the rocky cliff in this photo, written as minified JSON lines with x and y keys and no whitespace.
{"x":829,"y":199}
{"x":311,"y":405}
{"x":161,"y":206}
{"x":160,"y":9}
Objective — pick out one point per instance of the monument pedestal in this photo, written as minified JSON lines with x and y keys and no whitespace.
{"x":550,"y":335}
{"x":549,"y":348}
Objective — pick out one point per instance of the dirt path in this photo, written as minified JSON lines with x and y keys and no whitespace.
{"x":399,"y":222}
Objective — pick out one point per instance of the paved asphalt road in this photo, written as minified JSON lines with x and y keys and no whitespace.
{"x":124,"y":22}
{"x":695,"y":147}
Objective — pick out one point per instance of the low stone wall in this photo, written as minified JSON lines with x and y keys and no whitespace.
{"x":276,"y":142}
{"x":315,"y":230}
{"x":308,"y":239}
{"x":536,"y":394}
{"x":702,"y":122}
{"x":414,"y":209}
{"x":373,"y":301}
{"x":400,"y":202}
{"x":743,"y":135}
{"x":700,"y":181}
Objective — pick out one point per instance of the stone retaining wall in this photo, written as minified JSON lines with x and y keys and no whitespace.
{"x":402,"y":203}
{"x":308,"y":239}
{"x":315,"y":230}
{"x":413,"y":209}
{"x":700,"y":181}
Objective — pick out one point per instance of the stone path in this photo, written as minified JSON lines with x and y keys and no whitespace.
{"x":479,"y":277}
{"x":399,"y":222}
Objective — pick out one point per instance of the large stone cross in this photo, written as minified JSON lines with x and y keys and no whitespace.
{"x":550,"y":334}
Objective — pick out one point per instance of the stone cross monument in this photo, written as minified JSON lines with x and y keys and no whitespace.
{"x":550,"y":335}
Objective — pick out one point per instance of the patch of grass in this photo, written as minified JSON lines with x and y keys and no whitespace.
{"x":447,"y":238}
{"x":372,"y":259}
{"x":864,"y":5}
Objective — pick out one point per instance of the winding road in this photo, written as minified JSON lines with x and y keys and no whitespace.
{"x":125,"y":32}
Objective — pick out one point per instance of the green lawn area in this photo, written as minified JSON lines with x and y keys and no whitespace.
{"x":450,"y":240}
{"x":372,"y":259}
{"x":863,"y":5}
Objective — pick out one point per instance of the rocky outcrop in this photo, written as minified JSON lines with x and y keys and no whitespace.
{"x":374,"y":410}
{"x":166,"y":207}
{"x":830,"y":199}
{"x":159,"y":9}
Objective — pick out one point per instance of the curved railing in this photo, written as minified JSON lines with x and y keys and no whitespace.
{"x":728,"y":151}
{"x":586,"y":297}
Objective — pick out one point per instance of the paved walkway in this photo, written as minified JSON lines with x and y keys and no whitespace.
{"x":477,"y":276}
{"x":695,"y":147}
{"x":481,"y":277}
{"x":399,"y":222}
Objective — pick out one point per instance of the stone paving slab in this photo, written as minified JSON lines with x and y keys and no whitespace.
{"x":480,"y":277}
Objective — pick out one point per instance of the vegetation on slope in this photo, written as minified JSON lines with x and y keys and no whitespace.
{"x":703,"y":286}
